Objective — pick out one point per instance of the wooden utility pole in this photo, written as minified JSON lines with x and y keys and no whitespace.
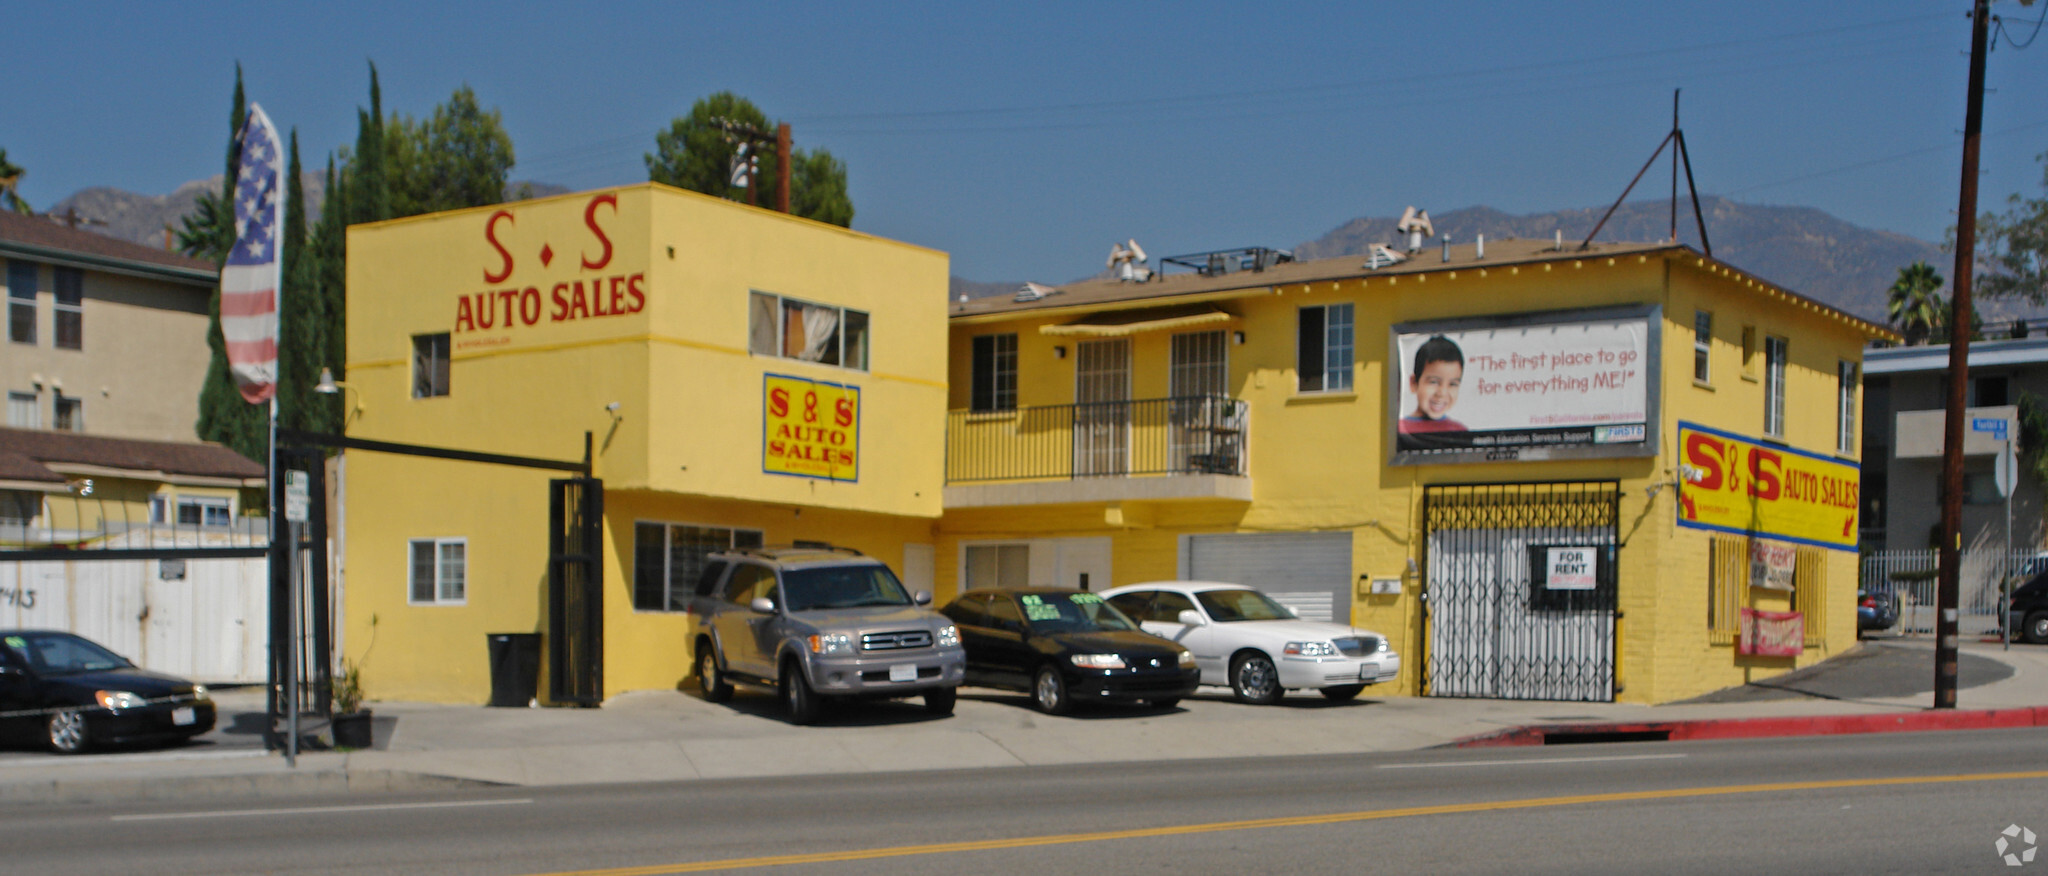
{"x":782,"y":167}
{"x":1946,"y":591}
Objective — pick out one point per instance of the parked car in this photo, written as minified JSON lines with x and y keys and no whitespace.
{"x":2028,"y":613}
{"x":813,"y":623}
{"x":1064,"y":646}
{"x":72,"y":694}
{"x":1876,"y":611}
{"x":1243,"y":639}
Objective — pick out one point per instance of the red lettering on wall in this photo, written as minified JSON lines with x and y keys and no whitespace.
{"x":579,"y":306}
{"x":634,"y":291}
{"x":842,"y":412}
{"x":561,"y":303}
{"x":1705,"y":454}
{"x":529,"y":305}
{"x":465,"y":319}
{"x":491,"y":235}
{"x":778,"y":402}
{"x":590,"y":219}
{"x":1764,"y":466}
{"x":486,"y":309}
{"x":617,"y":292}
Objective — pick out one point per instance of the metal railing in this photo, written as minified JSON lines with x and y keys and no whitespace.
{"x":1909,"y":576}
{"x":1202,"y":434}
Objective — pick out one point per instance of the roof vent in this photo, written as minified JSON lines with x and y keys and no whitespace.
{"x":1128,"y":261}
{"x":1415,"y":223}
{"x":1382,"y":257}
{"x":1033,"y":292}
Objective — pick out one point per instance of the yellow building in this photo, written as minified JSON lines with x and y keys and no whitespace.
{"x":1627,"y":427}
{"x":744,"y":377}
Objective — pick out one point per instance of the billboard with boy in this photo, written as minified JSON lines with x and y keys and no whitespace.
{"x":1525,"y":386}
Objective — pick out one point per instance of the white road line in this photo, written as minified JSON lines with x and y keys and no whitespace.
{"x":1473,"y":763}
{"x":247,"y":813}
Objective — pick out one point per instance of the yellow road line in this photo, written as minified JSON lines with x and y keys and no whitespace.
{"x":1290,"y":821}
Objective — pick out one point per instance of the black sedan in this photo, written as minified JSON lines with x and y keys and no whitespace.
{"x":71,"y":694}
{"x":2028,"y":612}
{"x":1062,"y":646}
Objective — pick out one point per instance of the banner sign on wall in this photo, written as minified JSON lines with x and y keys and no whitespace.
{"x":1523,"y":387}
{"x":1732,"y":484}
{"x":1771,"y":563}
{"x":810,"y":428}
{"x":1772,"y":633}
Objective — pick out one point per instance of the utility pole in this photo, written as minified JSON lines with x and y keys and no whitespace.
{"x":756,"y":139}
{"x":1946,"y":591}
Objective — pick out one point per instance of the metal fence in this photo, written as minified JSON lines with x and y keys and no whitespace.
{"x":1909,"y":576}
{"x":1184,"y":435}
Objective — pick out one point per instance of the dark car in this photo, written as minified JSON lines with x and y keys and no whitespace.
{"x":71,"y":694}
{"x":1062,"y":646}
{"x":2028,"y":613}
{"x":1876,"y":611}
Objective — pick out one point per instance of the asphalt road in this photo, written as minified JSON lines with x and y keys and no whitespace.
{"x":1896,"y":803}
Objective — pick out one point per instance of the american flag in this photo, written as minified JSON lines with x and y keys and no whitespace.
{"x":248,"y":284}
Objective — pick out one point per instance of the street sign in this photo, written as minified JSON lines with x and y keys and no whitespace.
{"x":2008,"y":469}
{"x":1995,"y":425}
{"x":297,"y":496}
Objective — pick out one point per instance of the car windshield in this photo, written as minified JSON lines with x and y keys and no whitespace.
{"x":62,"y":653}
{"x":1071,"y":613}
{"x":830,"y":587}
{"x":1230,"y":606}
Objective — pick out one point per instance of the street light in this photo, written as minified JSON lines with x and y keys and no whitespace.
{"x":329,"y":386}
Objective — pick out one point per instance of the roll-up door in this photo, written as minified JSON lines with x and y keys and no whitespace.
{"x":1309,"y":572}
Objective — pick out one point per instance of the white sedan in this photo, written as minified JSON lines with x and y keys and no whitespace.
{"x":1242,"y":638}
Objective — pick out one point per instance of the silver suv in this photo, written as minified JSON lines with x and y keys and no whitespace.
{"x":817,"y":622}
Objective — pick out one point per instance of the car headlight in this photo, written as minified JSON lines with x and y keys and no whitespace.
{"x":200,"y":694}
{"x":1097,"y":661}
{"x":119,"y":699}
{"x":1312,"y":649}
{"x":949,"y":636}
{"x":1187,"y":658}
{"x":1384,"y":647}
{"x":832,"y":643}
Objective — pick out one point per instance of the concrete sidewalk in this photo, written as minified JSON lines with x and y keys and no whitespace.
{"x":670,"y":736}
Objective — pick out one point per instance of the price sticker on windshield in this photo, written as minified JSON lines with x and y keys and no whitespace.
{"x":17,"y":642}
{"x":1083,"y":598}
{"x":1041,"y":612}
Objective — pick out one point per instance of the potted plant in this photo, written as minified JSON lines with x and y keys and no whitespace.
{"x":351,"y":722}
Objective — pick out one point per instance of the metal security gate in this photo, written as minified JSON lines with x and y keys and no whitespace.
{"x":576,"y":591}
{"x":1495,"y":626}
{"x":1309,"y":572}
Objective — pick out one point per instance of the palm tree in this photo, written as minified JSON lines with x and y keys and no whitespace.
{"x":1914,"y":302}
{"x":10,"y":176}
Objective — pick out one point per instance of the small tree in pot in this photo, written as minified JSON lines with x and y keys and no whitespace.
{"x":351,"y":722}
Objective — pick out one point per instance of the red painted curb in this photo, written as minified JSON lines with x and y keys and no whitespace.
{"x":1747,"y":728}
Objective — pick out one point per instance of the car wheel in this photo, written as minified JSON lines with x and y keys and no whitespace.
{"x":67,"y":732}
{"x":710,"y":681}
{"x":797,"y":695}
{"x":1255,"y":679}
{"x":940,"y":702}
{"x":1049,"y":692}
{"x":2037,"y":628}
{"x":1166,"y":703}
{"x":1342,"y":693}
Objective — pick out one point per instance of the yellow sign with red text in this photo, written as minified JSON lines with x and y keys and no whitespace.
{"x":1733,"y":484}
{"x":810,"y":428}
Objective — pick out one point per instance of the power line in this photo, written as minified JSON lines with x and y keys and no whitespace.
{"x":1896,"y":156}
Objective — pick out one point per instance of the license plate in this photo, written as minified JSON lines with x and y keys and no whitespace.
{"x":903,"y":672}
{"x":1369,"y":671}
{"x":183,"y":716}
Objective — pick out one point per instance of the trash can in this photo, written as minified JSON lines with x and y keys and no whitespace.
{"x":515,"y":668}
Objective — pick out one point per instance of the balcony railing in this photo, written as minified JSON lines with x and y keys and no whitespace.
{"x":1158,"y":436}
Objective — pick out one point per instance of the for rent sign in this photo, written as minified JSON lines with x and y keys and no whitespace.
{"x":1732,"y":484}
{"x":810,"y":428}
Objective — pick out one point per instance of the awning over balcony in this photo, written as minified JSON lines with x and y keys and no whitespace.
{"x":1120,"y":323}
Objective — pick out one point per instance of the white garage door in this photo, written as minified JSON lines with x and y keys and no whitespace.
{"x":1309,"y":572}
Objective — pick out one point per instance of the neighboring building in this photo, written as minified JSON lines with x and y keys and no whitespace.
{"x":104,"y":336}
{"x":745,"y":377}
{"x":1627,"y":423}
{"x":1907,"y":392}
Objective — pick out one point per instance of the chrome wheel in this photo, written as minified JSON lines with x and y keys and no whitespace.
{"x":709,"y":682}
{"x":1049,"y":692}
{"x":1255,"y":680}
{"x":67,"y":732}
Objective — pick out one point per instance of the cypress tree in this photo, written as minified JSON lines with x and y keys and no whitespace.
{"x":223,"y":415}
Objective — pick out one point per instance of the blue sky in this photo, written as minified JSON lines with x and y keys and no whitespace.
{"x":1026,"y":138}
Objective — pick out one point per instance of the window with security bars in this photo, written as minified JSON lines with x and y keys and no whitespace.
{"x":69,"y":309}
{"x":1810,"y":593}
{"x":439,"y":571}
{"x":668,"y":559}
{"x":1727,"y":582}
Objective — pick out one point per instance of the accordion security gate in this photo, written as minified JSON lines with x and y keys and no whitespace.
{"x":1493,"y":631}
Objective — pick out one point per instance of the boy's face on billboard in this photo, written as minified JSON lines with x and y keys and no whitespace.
{"x":1436,"y":388}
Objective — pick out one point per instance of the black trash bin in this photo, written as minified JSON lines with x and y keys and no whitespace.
{"x":515,"y":668}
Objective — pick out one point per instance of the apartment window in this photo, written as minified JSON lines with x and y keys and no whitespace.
{"x":1324,"y":348}
{"x":70,"y":309}
{"x":429,"y":365}
{"x":19,"y":507}
{"x":440,"y":570}
{"x":998,"y":565}
{"x":791,"y":329}
{"x":23,"y":412}
{"x":1845,"y":408}
{"x":1774,"y":386}
{"x":994,"y":378}
{"x":21,"y":301}
{"x":159,"y":509}
{"x":69,"y":414}
{"x":202,"y":511}
{"x":669,"y":558}
{"x":1989,"y":392}
{"x":1702,"y":346}
{"x":1749,"y":352}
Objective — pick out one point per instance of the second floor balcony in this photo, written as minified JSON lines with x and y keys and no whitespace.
{"x":1187,"y":447}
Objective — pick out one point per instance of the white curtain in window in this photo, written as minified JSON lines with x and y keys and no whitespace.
{"x":821,"y":324}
